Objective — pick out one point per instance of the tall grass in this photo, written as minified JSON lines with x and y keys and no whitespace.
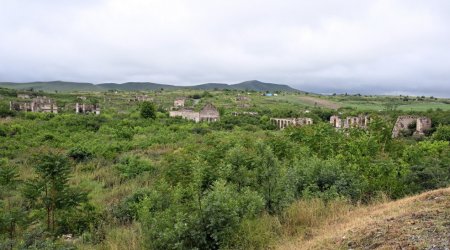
{"x":304,"y":215}
{"x":118,"y":238}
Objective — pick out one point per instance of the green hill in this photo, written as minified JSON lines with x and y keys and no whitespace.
{"x":52,"y":86}
{"x":135,"y":86}
{"x":62,"y":86}
{"x":253,"y":85}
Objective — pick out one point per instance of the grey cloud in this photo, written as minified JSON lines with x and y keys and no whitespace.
{"x":368,"y":46}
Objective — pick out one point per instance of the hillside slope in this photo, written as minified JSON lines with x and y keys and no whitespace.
{"x":135,"y":86}
{"x":143,"y":86}
{"x":418,"y":222}
{"x":52,"y":86}
{"x":253,"y":85}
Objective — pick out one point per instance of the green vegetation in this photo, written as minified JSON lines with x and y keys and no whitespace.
{"x":122,"y":181}
{"x":148,"y":110}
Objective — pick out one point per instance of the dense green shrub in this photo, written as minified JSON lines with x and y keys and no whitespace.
{"x":131,"y":166}
{"x":127,"y":210}
{"x":442,"y":133}
{"x":79,"y":154}
{"x":148,"y":110}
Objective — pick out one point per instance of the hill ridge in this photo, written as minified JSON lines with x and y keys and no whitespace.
{"x":66,"y":86}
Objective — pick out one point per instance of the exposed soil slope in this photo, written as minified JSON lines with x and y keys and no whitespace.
{"x":418,"y":222}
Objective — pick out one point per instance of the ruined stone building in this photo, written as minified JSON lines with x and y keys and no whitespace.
{"x":179,"y":102}
{"x":361,"y":121}
{"x":282,"y":123}
{"x":23,"y":96}
{"x":38,"y":104}
{"x":209,"y":113}
{"x":242,"y":98}
{"x":422,"y":125}
{"x":403,"y":123}
{"x":141,"y":98}
{"x":87,"y":108}
{"x":186,"y":114}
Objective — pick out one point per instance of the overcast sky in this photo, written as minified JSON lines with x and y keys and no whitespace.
{"x":367,"y":46}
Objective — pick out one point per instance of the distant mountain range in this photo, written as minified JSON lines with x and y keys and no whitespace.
{"x":62,"y":86}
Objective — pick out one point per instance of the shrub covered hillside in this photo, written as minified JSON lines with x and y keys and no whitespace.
{"x":134,"y":178}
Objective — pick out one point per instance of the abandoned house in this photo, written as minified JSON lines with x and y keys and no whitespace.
{"x":23,"y":96}
{"x":361,"y":121}
{"x":242,"y":98}
{"x":179,"y":102}
{"x":87,"y":108}
{"x":38,"y":104}
{"x":282,"y":123}
{"x":144,"y":98}
{"x":404,"y":123}
{"x":209,"y":113}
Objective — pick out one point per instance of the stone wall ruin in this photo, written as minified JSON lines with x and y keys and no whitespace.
{"x":209,"y":113}
{"x":38,"y":104}
{"x":282,"y":123}
{"x":361,"y":121}
{"x":403,"y":123}
{"x":87,"y":108}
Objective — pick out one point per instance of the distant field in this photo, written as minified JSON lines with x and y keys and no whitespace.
{"x":419,"y":106}
{"x":375,"y":103}
{"x":309,"y":101}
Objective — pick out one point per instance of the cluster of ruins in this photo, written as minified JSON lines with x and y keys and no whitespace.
{"x":282,"y":123}
{"x":411,"y":124}
{"x":403,"y":123}
{"x":208,"y":113}
{"x":87,"y":108}
{"x":361,"y":121}
{"x":48,"y":105}
{"x":415,"y":124}
{"x":38,"y":104}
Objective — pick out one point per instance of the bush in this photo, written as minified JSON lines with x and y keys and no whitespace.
{"x":442,"y":133}
{"x":127,"y":210}
{"x":48,"y":137}
{"x":7,"y":130}
{"x":148,"y":110}
{"x":5,"y":112}
{"x":79,"y":220}
{"x":131,"y":166}
{"x":79,"y":154}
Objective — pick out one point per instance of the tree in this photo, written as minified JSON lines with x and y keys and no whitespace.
{"x":51,"y":190}
{"x":148,"y":110}
{"x":12,"y":213}
{"x":268,"y":172}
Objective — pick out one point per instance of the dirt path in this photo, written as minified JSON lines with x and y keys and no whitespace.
{"x":418,"y":222}
{"x":320,"y":102}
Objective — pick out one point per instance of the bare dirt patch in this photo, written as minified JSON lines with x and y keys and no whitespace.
{"x":418,"y":222}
